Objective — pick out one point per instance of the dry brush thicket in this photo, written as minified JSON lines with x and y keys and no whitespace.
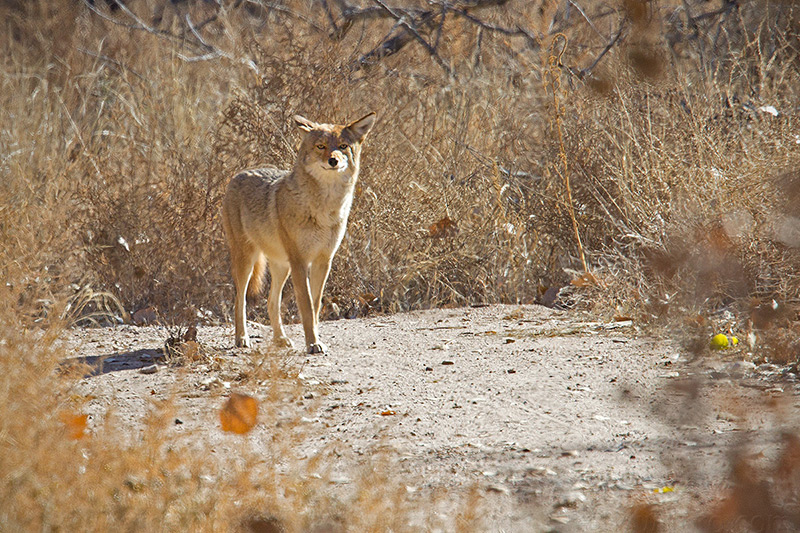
{"x":674,"y":122}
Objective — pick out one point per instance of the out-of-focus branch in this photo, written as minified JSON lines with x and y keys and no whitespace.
{"x":201,"y":49}
{"x":270,"y":6}
{"x":519,"y":31}
{"x":428,"y":25}
{"x":409,"y":26}
{"x":412,"y":21}
{"x":139,"y":24}
{"x":582,"y":73}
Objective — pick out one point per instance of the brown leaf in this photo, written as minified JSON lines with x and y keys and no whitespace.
{"x":587,"y":279}
{"x":388,"y":412}
{"x":368,"y":299}
{"x":445,"y":227}
{"x":643,"y":519}
{"x":74,"y":424}
{"x":239,"y":413}
{"x":788,"y":467}
{"x":264,"y":524}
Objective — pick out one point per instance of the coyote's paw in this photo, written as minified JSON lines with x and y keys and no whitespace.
{"x":243,"y":342}
{"x":317,"y":348}
{"x":282,"y":342}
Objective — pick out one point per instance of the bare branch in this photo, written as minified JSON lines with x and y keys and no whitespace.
{"x":588,"y":20}
{"x":211,"y":52}
{"x":533,"y":41}
{"x":286,"y":11}
{"x":391,"y":44}
{"x":588,"y":70}
{"x":352,"y":14}
{"x":118,"y":66}
{"x":216,"y":54}
{"x":196,"y":34}
{"x":443,"y":15}
{"x":406,"y":34}
{"x":139,"y":24}
{"x":329,"y":13}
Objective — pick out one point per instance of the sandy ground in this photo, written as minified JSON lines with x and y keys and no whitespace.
{"x":561,"y":422}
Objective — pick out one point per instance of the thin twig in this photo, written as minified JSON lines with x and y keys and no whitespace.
{"x":488,"y":162}
{"x":591,"y":24}
{"x":196,"y":33}
{"x":286,"y":11}
{"x":413,"y":31}
{"x":112,"y":61}
{"x":518,"y":31}
{"x":586,"y":71}
{"x":329,"y":14}
{"x":443,"y":15}
{"x":139,"y":24}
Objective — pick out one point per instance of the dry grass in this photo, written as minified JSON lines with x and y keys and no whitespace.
{"x":139,"y":147}
{"x":114,"y":153}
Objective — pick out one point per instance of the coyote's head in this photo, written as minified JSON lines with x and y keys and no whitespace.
{"x":330,"y":152}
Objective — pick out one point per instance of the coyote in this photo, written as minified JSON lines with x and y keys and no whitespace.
{"x":294,"y":221}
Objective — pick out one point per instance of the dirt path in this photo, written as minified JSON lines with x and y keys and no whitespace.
{"x":560,"y":422}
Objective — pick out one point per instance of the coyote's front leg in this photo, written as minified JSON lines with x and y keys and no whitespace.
{"x":302,"y":292}
{"x":320,"y":269}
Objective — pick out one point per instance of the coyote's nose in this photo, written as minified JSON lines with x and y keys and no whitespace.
{"x":333,"y":162}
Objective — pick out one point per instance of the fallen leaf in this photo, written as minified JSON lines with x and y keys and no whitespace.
{"x":239,"y":413}
{"x":75,"y":425}
{"x":643,"y":519}
{"x":587,"y":279}
{"x":368,"y":299}
{"x":388,"y":412}
{"x":443,"y":228}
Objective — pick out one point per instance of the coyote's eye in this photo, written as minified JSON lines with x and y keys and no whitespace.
{"x":343,"y":147}
{"x":320,"y":147}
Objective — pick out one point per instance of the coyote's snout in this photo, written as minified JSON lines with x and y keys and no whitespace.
{"x":293,"y":221}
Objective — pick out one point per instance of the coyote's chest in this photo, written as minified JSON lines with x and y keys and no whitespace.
{"x":324,"y":227}
{"x":331,"y":212}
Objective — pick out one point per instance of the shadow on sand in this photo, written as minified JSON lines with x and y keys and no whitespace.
{"x":115,"y":362}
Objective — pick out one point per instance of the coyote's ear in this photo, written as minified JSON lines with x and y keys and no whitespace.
{"x":361,"y":127}
{"x":303,"y":123}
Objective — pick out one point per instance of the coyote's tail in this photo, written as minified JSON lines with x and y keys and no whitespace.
{"x":257,"y":279}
